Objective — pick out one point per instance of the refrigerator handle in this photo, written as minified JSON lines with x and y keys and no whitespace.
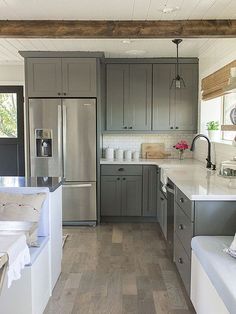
{"x":59,"y":142}
{"x":77,"y":185}
{"x":64,"y":139}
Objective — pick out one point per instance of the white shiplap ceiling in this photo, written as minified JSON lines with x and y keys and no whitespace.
{"x":113,"y":48}
{"x":117,"y":9}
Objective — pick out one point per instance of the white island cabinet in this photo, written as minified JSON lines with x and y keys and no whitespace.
{"x":32,"y":291}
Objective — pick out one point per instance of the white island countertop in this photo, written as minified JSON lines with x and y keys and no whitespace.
{"x":191,"y":177}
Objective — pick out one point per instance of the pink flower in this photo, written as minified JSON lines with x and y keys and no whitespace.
{"x":182,"y":145}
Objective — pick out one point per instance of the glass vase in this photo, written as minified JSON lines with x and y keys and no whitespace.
{"x":181,"y":154}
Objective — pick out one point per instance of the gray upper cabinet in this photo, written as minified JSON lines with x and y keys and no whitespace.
{"x":117,"y":96}
{"x":61,"y":77}
{"x":44,"y":77}
{"x":175,"y":109}
{"x":163,"y":96}
{"x":79,"y":77}
{"x":138,"y":112}
{"x":129,"y":97}
{"x":186,"y":99}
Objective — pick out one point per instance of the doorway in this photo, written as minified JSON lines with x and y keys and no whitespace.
{"x":12,"y":161}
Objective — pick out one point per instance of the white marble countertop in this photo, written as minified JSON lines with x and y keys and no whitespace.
{"x":192,"y":178}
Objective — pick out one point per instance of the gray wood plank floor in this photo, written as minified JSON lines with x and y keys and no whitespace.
{"x":117,"y":269}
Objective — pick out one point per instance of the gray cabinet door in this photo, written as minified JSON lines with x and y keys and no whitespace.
{"x":138,"y":111}
{"x":79,"y":77}
{"x":110,"y":196}
{"x":163,"y":97}
{"x":131,"y":196}
{"x":117,"y":96}
{"x":149,"y":191}
{"x":44,"y":77}
{"x":186,"y":99}
{"x":175,"y":109}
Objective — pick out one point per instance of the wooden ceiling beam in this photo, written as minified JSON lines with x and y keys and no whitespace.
{"x":117,"y":29}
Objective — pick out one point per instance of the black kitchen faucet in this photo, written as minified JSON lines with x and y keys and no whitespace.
{"x":208,"y":159}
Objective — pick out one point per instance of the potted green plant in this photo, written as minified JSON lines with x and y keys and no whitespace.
{"x":213,"y":128}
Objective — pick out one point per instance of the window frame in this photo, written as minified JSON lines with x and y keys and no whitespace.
{"x":18,"y":90}
{"x":19,"y":140}
{"x":223,"y":119}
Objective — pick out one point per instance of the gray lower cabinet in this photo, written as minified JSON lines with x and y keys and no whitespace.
{"x":128,"y":97}
{"x":198,"y":218}
{"x":61,"y":77}
{"x":150,"y":188}
{"x":129,"y":191}
{"x":131,"y":196}
{"x":121,"y":195}
{"x":111,"y":196}
{"x":175,"y":109}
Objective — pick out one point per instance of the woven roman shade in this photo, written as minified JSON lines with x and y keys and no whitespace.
{"x":213,"y":85}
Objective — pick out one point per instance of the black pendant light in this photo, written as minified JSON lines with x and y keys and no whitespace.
{"x":178,"y":81}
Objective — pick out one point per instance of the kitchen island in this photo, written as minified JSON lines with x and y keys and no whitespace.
{"x":40,"y":276}
{"x":51,"y":215}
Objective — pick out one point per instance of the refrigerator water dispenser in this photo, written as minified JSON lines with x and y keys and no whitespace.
{"x":43,"y":142}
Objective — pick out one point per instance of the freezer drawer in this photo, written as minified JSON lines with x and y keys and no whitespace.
{"x":79,"y":202}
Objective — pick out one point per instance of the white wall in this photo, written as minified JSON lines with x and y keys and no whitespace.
{"x":215,"y":56}
{"x":11,"y":74}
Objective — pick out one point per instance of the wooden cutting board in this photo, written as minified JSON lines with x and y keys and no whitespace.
{"x":153,"y":151}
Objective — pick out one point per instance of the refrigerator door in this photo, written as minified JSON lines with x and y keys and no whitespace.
{"x":79,"y":139}
{"x":45,"y":130}
{"x":79,"y":203}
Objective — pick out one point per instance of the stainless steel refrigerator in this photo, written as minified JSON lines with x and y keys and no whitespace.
{"x":63,"y":144}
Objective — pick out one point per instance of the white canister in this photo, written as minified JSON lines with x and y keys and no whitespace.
{"x":109,"y":153}
{"x":119,"y":154}
{"x":128,"y":155}
{"x":136,"y":155}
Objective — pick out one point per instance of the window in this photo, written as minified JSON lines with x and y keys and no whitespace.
{"x":211,"y":110}
{"x":12,"y":161}
{"x":8,"y":115}
{"x":218,"y":109}
{"x":229,"y":102}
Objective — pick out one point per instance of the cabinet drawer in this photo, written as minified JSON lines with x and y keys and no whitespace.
{"x":128,"y":170}
{"x":184,"y":203}
{"x":183,"y":228}
{"x":183,"y":263}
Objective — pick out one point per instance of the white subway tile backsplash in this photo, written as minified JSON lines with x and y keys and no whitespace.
{"x":133,"y":141}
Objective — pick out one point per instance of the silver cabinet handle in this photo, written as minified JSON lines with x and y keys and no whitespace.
{"x":181,"y":227}
{"x":181,"y":200}
{"x":77,"y":185}
{"x":180,"y":260}
{"x":59,"y":115}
